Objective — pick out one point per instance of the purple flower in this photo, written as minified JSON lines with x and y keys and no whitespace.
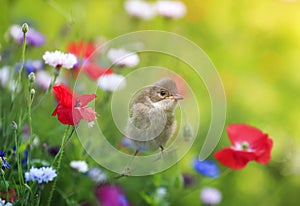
{"x":206,"y":168}
{"x":53,"y":151}
{"x":4,"y":164}
{"x":111,"y":195}
{"x":188,"y":180}
{"x":33,"y":37}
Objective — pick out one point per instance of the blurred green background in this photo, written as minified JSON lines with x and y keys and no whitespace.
{"x":255,"y":46}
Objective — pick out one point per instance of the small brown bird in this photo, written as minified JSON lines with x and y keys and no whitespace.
{"x":151,"y":121}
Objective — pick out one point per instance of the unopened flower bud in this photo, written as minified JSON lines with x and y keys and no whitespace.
{"x":25,"y":28}
{"x":32,"y":93}
{"x":14,"y":125}
{"x":31,"y":77}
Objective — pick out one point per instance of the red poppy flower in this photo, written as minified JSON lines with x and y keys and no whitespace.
{"x":94,"y":71}
{"x":84,"y":50}
{"x":81,"y":49}
{"x":249,"y":144}
{"x":72,"y":108}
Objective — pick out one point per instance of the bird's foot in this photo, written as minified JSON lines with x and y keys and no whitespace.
{"x":125,"y":173}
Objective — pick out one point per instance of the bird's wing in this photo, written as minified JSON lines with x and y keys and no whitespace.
{"x":139,"y":116}
{"x":145,"y":123}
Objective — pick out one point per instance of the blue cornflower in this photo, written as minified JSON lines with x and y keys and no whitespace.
{"x":4,"y":163}
{"x":25,"y":159}
{"x":43,"y":174}
{"x":31,"y":66}
{"x":206,"y":168}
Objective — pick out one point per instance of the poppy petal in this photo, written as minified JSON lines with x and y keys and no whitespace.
{"x":81,"y":49}
{"x":265,"y":155}
{"x":94,"y":71}
{"x":233,"y":158}
{"x":63,"y":95}
{"x":64,"y":115}
{"x":88,"y":114}
{"x":243,"y":133}
{"x":85,"y":99}
{"x":76,"y":115}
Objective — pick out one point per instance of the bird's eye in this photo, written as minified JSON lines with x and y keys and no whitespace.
{"x":162,"y":93}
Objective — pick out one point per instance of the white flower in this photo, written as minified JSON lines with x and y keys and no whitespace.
{"x":111,"y":82}
{"x":2,"y":203}
{"x":43,"y":174}
{"x":171,"y":9}
{"x":97,"y":175}
{"x":60,"y":59}
{"x":210,"y":196}
{"x":4,"y":75}
{"x":5,"y":80}
{"x":122,"y":57}
{"x":43,"y":79}
{"x":161,"y":192}
{"x":140,"y":9}
{"x":80,"y":166}
{"x":36,"y":141}
{"x":15,"y":32}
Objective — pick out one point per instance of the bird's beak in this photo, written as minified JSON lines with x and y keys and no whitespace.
{"x":176,"y":97}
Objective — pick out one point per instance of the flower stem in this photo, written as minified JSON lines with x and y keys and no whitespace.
{"x":56,"y":74}
{"x":65,"y":142}
{"x":38,"y":196}
{"x":19,"y":165}
{"x":30,"y":100}
{"x":60,"y":153}
{"x":20,"y":70}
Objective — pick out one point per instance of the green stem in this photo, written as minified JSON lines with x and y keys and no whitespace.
{"x":61,"y":152}
{"x":30,"y":132}
{"x":20,"y":71}
{"x":39,"y":193}
{"x":56,"y":74}
{"x":68,"y":138}
{"x":19,"y":165}
{"x":30,"y":127}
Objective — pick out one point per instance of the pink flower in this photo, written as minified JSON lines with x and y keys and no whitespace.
{"x":111,"y":195}
{"x":249,"y":144}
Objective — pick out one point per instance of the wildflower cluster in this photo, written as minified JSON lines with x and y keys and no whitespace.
{"x":42,"y":106}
